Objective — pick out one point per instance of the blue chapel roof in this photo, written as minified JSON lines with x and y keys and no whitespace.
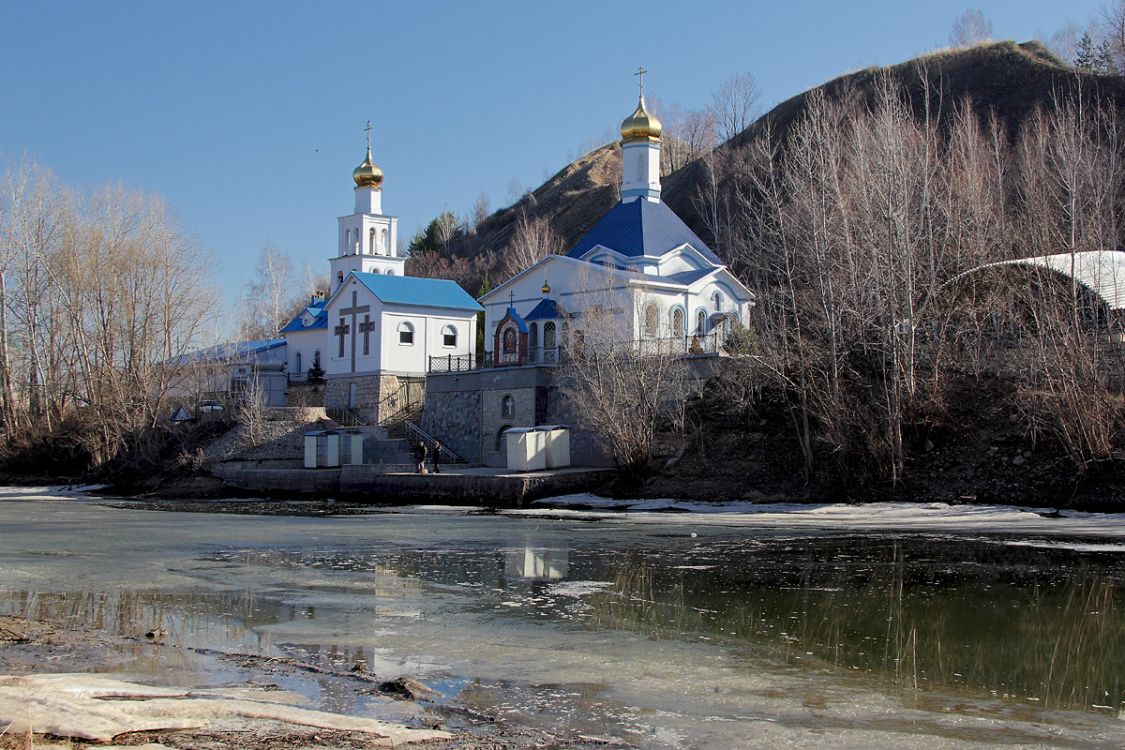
{"x":414,"y":290}
{"x":641,"y":227}
{"x":547,"y":309}
{"x":319,"y":316}
{"x":687,"y":278}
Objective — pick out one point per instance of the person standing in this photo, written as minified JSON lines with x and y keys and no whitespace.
{"x":437,"y":456}
{"x":420,"y":457}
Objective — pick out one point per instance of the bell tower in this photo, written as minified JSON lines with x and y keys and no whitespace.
{"x":640,"y":151}
{"x":367,"y":238}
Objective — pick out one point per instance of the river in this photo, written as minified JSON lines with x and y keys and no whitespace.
{"x":670,"y":630}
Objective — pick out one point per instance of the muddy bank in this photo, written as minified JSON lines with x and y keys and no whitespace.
{"x":52,"y":695}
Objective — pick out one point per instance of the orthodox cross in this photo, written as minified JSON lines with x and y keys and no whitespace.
{"x":354,"y":311}
{"x":512,"y":300}
{"x":341,"y":331}
{"x":368,"y":129}
{"x":641,"y":78}
{"x":367,"y":327}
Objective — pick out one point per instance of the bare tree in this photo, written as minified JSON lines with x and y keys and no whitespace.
{"x":481,"y":211}
{"x":969,"y":28}
{"x":269,"y":297}
{"x":734,"y":105}
{"x":1112,"y":28}
{"x":533,"y":239}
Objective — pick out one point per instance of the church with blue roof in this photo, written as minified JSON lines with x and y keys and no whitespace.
{"x":639,"y":275}
{"x":375,"y":331}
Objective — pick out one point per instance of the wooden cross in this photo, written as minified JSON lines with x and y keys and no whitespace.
{"x":354,"y":311}
{"x":641,"y":78}
{"x":367,"y":327}
{"x":368,"y":129}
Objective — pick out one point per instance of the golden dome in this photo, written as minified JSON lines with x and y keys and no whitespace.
{"x":368,"y":173}
{"x":640,"y":125}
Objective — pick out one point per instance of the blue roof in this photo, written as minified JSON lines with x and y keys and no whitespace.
{"x":547,"y":309}
{"x":515,"y":316}
{"x":688,"y":278}
{"x":318,"y":313}
{"x":413,"y":290}
{"x":641,"y":227}
{"x":234,"y":351}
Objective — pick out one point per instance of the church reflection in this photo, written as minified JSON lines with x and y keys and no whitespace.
{"x":536,"y":562}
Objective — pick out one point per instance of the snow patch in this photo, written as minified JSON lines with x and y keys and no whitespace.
{"x":578,"y":589}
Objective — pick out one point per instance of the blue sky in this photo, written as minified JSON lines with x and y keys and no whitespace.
{"x":247,"y":118}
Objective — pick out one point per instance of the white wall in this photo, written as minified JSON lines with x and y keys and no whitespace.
{"x":306,"y":343}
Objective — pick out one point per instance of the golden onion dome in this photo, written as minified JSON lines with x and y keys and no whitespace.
{"x":368,"y":173}
{"x":641,"y":125}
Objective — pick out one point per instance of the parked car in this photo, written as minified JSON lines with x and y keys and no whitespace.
{"x":210,"y":407}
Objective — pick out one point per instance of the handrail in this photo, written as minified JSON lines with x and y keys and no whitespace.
{"x":357,"y":421}
{"x":418,"y":433}
{"x":400,"y":401}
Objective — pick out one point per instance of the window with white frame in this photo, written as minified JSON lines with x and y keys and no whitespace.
{"x":405,"y":334}
{"x":449,"y":337}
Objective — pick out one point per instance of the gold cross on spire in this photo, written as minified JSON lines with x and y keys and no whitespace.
{"x":368,"y":129}
{"x":641,"y":78}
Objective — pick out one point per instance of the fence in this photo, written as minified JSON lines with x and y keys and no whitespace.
{"x":676,"y":346}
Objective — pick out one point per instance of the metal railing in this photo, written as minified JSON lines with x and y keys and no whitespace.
{"x":345,"y":416}
{"x":454,"y":363}
{"x":416,"y":433}
{"x":401,"y":403}
{"x":676,"y":346}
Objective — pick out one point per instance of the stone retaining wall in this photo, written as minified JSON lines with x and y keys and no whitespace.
{"x":376,"y":484}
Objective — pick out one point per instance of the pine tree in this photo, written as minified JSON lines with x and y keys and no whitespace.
{"x":1086,"y":54}
{"x":1105,"y":63}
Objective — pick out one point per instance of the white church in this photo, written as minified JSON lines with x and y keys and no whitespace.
{"x":639,"y":277}
{"x":374,"y":332}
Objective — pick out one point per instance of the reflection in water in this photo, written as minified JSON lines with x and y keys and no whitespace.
{"x":531,"y":562}
{"x":983,"y":618}
{"x":1046,"y":628}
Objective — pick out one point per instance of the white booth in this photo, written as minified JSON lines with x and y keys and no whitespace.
{"x":322,"y":450}
{"x":526,"y":449}
{"x":538,"y":448}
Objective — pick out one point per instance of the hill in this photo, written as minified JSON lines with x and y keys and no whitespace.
{"x":1005,"y":78}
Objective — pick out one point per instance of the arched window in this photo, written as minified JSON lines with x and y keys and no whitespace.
{"x":508,"y":407}
{"x":347,"y":239}
{"x":371,"y":241}
{"x":385,"y":243}
{"x":405,"y":334}
{"x":375,"y":270}
{"x":650,"y":320}
{"x":565,"y":335}
{"x":701,"y":322}
{"x":449,"y":337}
{"x":297,"y":364}
{"x":390,"y":272}
{"x":549,"y":335}
{"x":358,"y":242}
{"x":500,"y":438}
{"x":718,"y":299}
{"x":678,"y":322}
{"x":316,"y":359}
{"x":339,"y":277}
{"x":533,"y":337}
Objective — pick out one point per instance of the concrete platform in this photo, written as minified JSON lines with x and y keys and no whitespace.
{"x":381,"y":483}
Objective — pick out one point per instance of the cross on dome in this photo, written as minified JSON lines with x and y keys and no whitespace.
{"x":641,"y":78}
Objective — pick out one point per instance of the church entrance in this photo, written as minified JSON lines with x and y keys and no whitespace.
{"x":351,"y":396}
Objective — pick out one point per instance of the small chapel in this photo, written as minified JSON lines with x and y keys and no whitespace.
{"x":640,"y":277}
{"x":371,"y":335}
